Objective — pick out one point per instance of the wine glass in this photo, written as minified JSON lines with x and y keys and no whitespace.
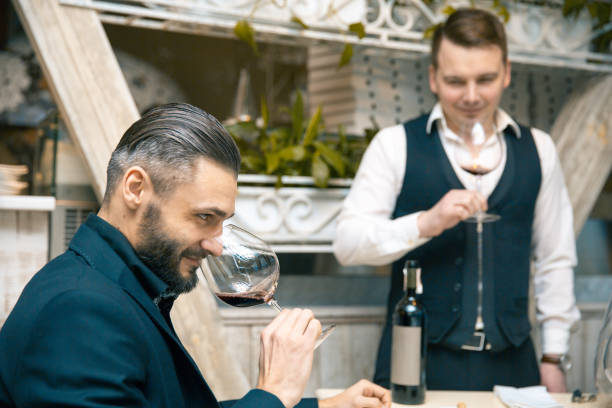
{"x":471,"y":159}
{"x":246,"y":273}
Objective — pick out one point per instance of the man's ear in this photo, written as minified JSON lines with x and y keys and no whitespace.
{"x":508,"y":74}
{"x":432,"y":79}
{"x":136,"y":187}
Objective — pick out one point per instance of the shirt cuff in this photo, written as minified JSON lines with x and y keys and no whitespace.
{"x":407,"y":230}
{"x":555,"y":340}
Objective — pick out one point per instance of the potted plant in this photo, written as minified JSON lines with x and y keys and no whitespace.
{"x":294,"y":177}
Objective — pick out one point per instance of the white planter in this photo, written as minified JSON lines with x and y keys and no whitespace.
{"x":300,"y":218}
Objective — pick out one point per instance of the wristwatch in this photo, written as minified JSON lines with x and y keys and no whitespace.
{"x":563,"y":361}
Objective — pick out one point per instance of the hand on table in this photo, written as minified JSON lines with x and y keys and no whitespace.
{"x":362,"y":394}
{"x":454,"y":206}
{"x":285,"y":359}
{"x":552,"y":377}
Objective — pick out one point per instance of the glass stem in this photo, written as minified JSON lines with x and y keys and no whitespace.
{"x":479,"y":190}
{"x":479,"y":322}
{"x":274,"y":305}
{"x":324,"y":332}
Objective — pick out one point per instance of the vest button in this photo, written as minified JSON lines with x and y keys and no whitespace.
{"x":459,"y":261}
{"x":455,"y":308}
{"x":457,"y":287}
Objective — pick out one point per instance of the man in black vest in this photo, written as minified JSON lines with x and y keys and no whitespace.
{"x":93,"y":328}
{"x":411,"y":194}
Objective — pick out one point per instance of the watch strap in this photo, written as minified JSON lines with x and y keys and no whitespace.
{"x":551,"y":359}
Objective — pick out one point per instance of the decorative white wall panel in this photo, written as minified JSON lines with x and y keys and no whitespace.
{"x":297,"y":219}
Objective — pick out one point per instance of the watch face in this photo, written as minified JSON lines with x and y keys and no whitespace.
{"x":565,"y":363}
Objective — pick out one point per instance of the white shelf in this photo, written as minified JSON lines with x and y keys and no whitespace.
{"x":552,"y":48}
{"x":27,"y":203}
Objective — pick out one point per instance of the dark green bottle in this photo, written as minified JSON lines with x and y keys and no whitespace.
{"x":409,"y":343}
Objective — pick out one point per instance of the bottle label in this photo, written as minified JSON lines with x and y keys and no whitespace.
{"x":406,"y":355}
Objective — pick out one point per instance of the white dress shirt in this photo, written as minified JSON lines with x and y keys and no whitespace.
{"x":366,"y":234}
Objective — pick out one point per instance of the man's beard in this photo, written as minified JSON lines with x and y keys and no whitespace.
{"x":161,"y":254}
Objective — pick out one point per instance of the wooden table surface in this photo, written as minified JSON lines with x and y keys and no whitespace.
{"x":472,"y":399}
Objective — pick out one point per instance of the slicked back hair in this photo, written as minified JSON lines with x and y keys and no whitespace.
{"x":470,"y":27}
{"x":166,"y":142}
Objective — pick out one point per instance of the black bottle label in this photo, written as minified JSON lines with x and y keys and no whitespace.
{"x":406,"y":355}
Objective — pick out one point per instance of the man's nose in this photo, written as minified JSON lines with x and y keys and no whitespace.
{"x":471,"y":93}
{"x":212,"y":245}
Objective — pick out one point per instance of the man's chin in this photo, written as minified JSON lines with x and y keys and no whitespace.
{"x":190,"y":281}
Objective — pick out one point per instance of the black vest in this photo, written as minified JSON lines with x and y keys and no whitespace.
{"x":449,"y":268}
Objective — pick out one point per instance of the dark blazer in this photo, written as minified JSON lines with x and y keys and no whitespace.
{"x":86,"y":332}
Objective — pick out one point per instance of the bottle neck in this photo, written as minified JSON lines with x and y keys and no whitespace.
{"x":410,"y":283}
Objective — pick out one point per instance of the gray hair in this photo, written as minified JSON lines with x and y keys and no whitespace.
{"x":166,"y":141}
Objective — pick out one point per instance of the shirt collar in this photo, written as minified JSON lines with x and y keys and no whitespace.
{"x":502,"y":118}
{"x":152,"y":284}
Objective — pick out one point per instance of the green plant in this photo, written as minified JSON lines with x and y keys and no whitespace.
{"x":301,"y":148}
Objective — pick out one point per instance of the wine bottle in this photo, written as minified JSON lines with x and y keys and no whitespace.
{"x":409,"y":343}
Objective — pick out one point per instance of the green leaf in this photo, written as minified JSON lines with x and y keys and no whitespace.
{"x":319,"y":171}
{"x":254,"y":163}
{"x":298,"y":20}
{"x":505,"y":15}
{"x":347,"y":54}
{"x":358,"y":29}
{"x":429,"y":31}
{"x":603,"y":15}
{"x":265,"y":115}
{"x":272,"y":162}
{"x":332,"y":157}
{"x":245,"y":32}
{"x":312,"y":131}
{"x":297,"y":118}
{"x":448,"y":10}
{"x":341,"y":134}
{"x":573,"y":7}
{"x":294,"y":153}
{"x":279,"y":137}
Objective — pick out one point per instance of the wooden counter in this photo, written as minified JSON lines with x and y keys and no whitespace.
{"x":472,"y":399}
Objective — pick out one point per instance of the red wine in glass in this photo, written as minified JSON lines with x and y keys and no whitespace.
{"x":243,"y":299}
{"x":477,"y":170}
{"x":246,"y":273}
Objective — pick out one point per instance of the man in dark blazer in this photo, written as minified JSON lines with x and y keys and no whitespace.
{"x":92,"y":328}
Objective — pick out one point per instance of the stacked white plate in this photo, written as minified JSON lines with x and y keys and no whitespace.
{"x":10,"y":179}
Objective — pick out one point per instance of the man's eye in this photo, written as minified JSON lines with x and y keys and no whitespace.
{"x":204,"y":217}
{"x":454,"y":82}
{"x":486,"y":80}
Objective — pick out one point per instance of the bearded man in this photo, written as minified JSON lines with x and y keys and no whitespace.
{"x":93,"y":328}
